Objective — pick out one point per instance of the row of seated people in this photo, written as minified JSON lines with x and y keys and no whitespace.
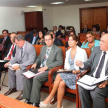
{"x":95,"y":29}
{"x":51,"y":56}
{"x":36,"y":38}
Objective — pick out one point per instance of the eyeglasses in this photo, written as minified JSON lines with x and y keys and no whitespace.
{"x":48,"y":39}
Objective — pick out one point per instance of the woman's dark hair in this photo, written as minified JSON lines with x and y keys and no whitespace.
{"x":72,"y":31}
{"x":72,"y":27}
{"x":103,"y":31}
{"x":45,"y":28}
{"x":94,"y":26}
{"x":75,"y":37}
{"x":61,"y":26}
{"x":98,"y":27}
{"x":43,"y":33}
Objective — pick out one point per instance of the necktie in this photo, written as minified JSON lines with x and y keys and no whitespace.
{"x":11,"y":52}
{"x":45,"y":58}
{"x":21,"y":52}
{"x":100,"y":66}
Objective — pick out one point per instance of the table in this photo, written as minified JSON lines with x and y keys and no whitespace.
{"x":7,"y":102}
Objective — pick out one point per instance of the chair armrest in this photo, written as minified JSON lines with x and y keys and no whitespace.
{"x":28,"y":67}
{"x":51,"y":72}
{"x":82,"y":74}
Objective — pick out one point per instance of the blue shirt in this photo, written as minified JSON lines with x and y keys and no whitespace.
{"x":86,"y":45}
{"x":34,"y":39}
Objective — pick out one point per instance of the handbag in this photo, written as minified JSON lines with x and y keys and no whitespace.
{"x":1,"y":47}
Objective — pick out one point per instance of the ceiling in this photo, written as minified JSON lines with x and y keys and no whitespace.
{"x":24,"y":3}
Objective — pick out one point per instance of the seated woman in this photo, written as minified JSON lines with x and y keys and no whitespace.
{"x":90,"y":42}
{"x":94,"y":29}
{"x":67,"y":79}
{"x":41,"y":41}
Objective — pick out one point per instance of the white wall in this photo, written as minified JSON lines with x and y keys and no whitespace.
{"x":69,"y":15}
{"x":12,"y":18}
{"x":48,"y":17}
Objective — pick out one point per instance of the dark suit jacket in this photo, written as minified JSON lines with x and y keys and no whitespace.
{"x":7,"y":51}
{"x":82,"y":31}
{"x":93,"y":61}
{"x":7,"y":42}
{"x":30,"y":36}
{"x":58,"y":33}
{"x":58,"y":42}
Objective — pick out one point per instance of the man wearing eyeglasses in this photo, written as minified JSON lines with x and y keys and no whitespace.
{"x":25,"y":56}
{"x":50,"y":56}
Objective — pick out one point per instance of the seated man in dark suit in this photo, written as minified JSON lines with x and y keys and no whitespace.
{"x":98,"y":62}
{"x":33,"y":36}
{"x":6,"y":40}
{"x":57,"y":32}
{"x":10,"y":53}
{"x":50,"y":56}
{"x":86,"y":29}
{"x":57,"y":41}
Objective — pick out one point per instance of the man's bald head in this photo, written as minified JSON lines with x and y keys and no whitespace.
{"x":12,"y":37}
{"x":104,"y":42}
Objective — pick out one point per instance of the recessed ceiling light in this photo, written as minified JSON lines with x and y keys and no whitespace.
{"x":57,"y":3}
{"x":31,"y":6}
{"x":87,"y":0}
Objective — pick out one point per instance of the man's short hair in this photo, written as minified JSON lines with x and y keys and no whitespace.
{"x":5,"y":30}
{"x":34,"y":31}
{"x":48,"y":35}
{"x":18,"y":37}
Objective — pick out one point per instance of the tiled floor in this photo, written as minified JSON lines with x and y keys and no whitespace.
{"x":66,"y":103}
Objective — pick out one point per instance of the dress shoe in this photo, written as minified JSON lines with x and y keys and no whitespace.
{"x":10,"y":91}
{"x":44,"y":105}
{"x":27,"y":101}
{"x":0,"y":88}
{"x":20,"y":96}
{"x":36,"y":104}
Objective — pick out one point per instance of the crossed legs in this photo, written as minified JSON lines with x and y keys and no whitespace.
{"x":59,"y":85}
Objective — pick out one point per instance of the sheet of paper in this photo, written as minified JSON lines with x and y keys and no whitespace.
{"x":4,"y":61}
{"x":10,"y":66}
{"x":30,"y":74}
{"x":86,"y":79}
